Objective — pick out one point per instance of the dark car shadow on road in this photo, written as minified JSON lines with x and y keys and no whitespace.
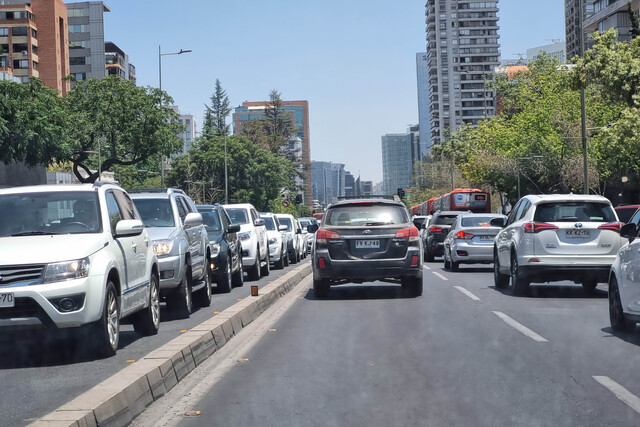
{"x":360,"y":292}
{"x":544,"y":290}
{"x":632,"y":337}
{"x":464,"y":269}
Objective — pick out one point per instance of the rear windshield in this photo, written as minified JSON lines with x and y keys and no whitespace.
{"x":367,"y":215}
{"x":477,"y":221}
{"x":238,"y":215}
{"x":574,"y":211}
{"x":444,"y":219}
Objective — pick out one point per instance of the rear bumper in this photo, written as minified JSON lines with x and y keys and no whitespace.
{"x":480,"y":254}
{"x":553,"y":273}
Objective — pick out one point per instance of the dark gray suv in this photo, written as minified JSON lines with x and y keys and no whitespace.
{"x":367,"y":240}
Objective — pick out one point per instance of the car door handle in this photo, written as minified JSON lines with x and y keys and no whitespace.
{"x":134,"y":246}
{"x":146,"y":242}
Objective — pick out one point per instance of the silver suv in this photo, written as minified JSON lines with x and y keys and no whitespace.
{"x":182,"y":245}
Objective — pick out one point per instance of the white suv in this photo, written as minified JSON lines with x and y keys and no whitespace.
{"x":76,"y":256}
{"x":556,"y":237}
{"x":253,"y":236}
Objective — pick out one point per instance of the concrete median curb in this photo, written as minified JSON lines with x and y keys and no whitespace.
{"x":120,"y":398}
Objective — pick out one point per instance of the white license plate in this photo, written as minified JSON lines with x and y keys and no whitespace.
{"x":7,"y":299}
{"x":487,"y":237}
{"x":367,"y":244}
{"x":578,"y":234}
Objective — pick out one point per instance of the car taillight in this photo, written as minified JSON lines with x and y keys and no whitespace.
{"x":464,"y":235}
{"x":323,"y":235}
{"x":412,"y":233}
{"x":613,"y":226}
{"x":435,"y":229}
{"x":536,"y":227}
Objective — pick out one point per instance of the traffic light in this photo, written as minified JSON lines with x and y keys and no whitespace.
{"x":298,"y":199}
{"x":400,"y":193}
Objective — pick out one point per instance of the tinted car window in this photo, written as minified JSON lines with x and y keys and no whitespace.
{"x":358,"y":215}
{"x":211,"y":220}
{"x":476,"y":221}
{"x":155,"y":212}
{"x":444,"y":219}
{"x":574,"y":211}
{"x":268,"y":221}
{"x":238,"y":215}
{"x":115,"y":215}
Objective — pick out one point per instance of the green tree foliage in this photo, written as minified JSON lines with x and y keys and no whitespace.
{"x":215,"y":117}
{"x":633,"y":17}
{"x":33,"y":124}
{"x":126,"y":123}
{"x":255,"y":175}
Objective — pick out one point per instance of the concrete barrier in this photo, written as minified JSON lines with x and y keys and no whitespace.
{"x":120,"y":398}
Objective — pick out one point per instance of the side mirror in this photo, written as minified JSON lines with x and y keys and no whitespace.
{"x":628,"y":231}
{"x":498,"y":222}
{"x":312,"y":228}
{"x":298,"y":231}
{"x":233,"y":228}
{"x":258,"y":222}
{"x":282,"y":228}
{"x":192,"y":220}
{"x":129,"y":227}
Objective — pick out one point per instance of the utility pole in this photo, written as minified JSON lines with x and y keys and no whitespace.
{"x":583,"y":109}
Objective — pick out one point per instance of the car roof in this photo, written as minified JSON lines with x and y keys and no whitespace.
{"x":56,"y":188}
{"x":541,"y":198}
{"x":239,"y":205}
{"x":365,"y":202}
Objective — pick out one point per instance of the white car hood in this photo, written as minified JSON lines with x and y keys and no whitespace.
{"x":47,"y":249}
{"x":158,"y":233}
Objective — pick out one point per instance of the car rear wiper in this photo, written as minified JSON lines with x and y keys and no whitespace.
{"x":34,"y":233}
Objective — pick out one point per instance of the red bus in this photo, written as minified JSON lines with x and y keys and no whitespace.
{"x":318,"y":216}
{"x":464,"y":199}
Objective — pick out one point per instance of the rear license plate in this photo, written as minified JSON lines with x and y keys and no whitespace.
{"x":7,"y":299}
{"x":367,"y":244}
{"x":487,"y":237}
{"x":578,"y":234}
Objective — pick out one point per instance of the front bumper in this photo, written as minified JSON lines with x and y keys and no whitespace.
{"x":170,"y":271}
{"x":275,"y":252}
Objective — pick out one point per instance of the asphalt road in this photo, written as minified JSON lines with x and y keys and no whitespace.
{"x":38,"y":375}
{"x":464,"y":353}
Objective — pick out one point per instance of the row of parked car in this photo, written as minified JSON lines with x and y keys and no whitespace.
{"x":548,"y":238}
{"x":80,"y":258}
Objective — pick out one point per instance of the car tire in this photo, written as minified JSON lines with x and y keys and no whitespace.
{"x":181,"y":302}
{"x":202,"y":298}
{"x":254,"y":272}
{"x":224,"y":281}
{"x":237,"y":278}
{"x":519,"y":283}
{"x":106,"y":331}
{"x":447,"y":263}
{"x":321,"y":288}
{"x":264,"y":270}
{"x":285,"y":256}
{"x":455,"y":266}
{"x":147,"y":322}
{"x":589,"y":285}
{"x":278,"y":265}
{"x":293,"y":258}
{"x":619,"y":321}
{"x":412,"y":286}
{"x":499,"y":280}
{"x":428,"y":256}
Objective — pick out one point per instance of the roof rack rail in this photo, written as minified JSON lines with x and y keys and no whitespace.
{"x":372,"y":196}
{"x":157,"y":190}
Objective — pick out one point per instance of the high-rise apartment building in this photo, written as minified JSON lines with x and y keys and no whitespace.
{"x":608,"y":14}
{"x":397,"y":161}
{"x":86,"y":39}
{"x":117,"y":62}
{"x":572,"y":24}
{"x":422,"y":77}
{"x":34,"y":41}
{"x":327,"y":182}
{"x":190,"y":131}
{"x":299,"y":115}
{"x":462,"y":51}
{"x":554,"y":50}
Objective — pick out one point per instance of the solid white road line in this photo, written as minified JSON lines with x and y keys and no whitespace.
{"x":426,"y":266}
{"x":519,"y":327}
{"x":620,"y":392}
{"x":467,"y":293}
{"x":439,"y":275}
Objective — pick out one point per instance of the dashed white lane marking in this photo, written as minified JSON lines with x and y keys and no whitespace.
{"x":620,"y":392}
{"x":426,"y":266}
{"x":439,"y":275}
{"x":467,"y":293}
{"x":519,"y":327}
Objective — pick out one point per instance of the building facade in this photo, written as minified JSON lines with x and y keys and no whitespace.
{"x":299,"y":114}
{"x":554,"y":50}
{"x":327,"y":182}
{"x":189,"y":134}
{"x":422,"y":77}
{"x":607,"y":14}
{"x":397,"y":161}
{"x":462,"y":51}
{"x":86,"y":39}
{"x":117,"y":63}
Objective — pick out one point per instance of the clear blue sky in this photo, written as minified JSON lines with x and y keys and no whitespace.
{"x":353,"y":60}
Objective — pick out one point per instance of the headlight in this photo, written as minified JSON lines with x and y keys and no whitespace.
{"x":273,"y":241}
{"x":215,"y":249}
{"x":67,"y":270}
{"x":245,"y":235}
{"x":162,"y":247}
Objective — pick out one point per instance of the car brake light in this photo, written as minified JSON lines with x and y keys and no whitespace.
{"x":321,"y":263}
{"x":435,"y":229}
{"x":536,"y":227}
{"x":323,"y":235}
{"x":414,"y":261}
{"x":613,"y":226}
{"x":412,"y":233}
{"x":464,"y":235}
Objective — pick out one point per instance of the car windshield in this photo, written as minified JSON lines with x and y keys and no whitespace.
{"x":366,"y":215}
{"x":155,"y":212}
{"x":210,"y":219}
{"x":269,"y":223}
{"x":574,"y":211}
{"x":238,"y":215}
{"x":49,"y":213}
{"x":476,"y":221}
{"x":444,"y":219}
{"x":285,"y":221}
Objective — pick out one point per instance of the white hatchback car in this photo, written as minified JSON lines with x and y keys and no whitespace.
{"x":76,"y":258}
{"x":556,"y":237}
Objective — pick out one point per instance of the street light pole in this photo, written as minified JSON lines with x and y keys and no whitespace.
{"x":226,"y":181}
{"x":160,"y":55}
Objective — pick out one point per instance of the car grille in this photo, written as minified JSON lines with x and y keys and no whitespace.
{"x":26,"y":307}
{"x":20,"y":273}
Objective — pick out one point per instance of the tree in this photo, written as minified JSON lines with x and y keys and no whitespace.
{"x":124,"y":123}
{"x":633,"y":17}
{"x":33,"y":124}
{"x":215,"y":118}
{"x":273,"y":131}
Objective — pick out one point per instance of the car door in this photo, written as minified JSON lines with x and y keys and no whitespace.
{"x":630,"y":272}
{"x":231,"y":238}
{"x":504,"y":238}
{"x":261,"y":233}
{"x":194,"y":239}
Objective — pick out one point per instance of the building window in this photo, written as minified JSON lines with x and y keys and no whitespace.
{"x":4,"y":31}
{"x":35,"y":65}
{"x":34,"y":33}
{"x":78,"y":44}
{"x":19,"y":31}
{"x":77,"y":12}
{"x":78,"y":28}
{"x":34,"y":49}
{"x":80,"y":76}
{"x":77,"y":60}
{"x":21,"y":64}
